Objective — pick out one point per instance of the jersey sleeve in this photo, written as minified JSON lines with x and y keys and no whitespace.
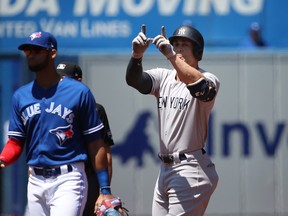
{"x":157,"y":75}
{"x":16,"y":127}
{"x":89,"y":120}
{"x":106,"y":131}
{"x":212,"y":78}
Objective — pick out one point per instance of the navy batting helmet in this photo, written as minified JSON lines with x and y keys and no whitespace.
{"x":192,"y":34}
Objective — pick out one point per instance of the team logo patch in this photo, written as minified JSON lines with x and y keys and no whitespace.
{"x":63,"y":133}
{"x":61,"y":66}
{"x":181,"y":31}
{"x":35,"y":35}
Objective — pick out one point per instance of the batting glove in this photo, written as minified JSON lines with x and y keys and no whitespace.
{"x":164,"y":46}
{"x":139,"y":45}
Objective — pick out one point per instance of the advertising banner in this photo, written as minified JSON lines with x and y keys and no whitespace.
{"x":110,"y":25}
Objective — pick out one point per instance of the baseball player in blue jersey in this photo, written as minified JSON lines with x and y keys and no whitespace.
{"x":55,"y":118}
{"x":185,"y":97}
{"x":73,"y":70}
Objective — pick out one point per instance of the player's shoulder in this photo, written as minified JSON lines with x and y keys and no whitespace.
{"x":212,"y":77}
{"x":74,"y":85}
{"x":100,"y":108}
{"x":160,"y":73}
{"x":159,"y":70}
{"x":205,"y":72}
{"x":23,"y":89}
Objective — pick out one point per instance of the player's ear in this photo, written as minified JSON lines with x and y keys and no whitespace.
{"x":53,"y":53}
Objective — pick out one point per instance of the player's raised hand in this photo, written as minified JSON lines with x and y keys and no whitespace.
{"x":140,"y":43}
{"x":163,"y":44}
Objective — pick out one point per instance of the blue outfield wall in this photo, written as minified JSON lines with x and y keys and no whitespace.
{"x":110,"y":25}
{"x":14,"y":178}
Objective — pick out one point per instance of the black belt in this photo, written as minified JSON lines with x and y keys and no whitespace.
{"x":168,"y":159}
{"x":48,"y":172}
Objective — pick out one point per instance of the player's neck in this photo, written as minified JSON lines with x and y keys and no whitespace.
{"x":47,"y":78}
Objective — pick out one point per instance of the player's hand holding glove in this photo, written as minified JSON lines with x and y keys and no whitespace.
{"x":112,"y":207}
{"x":140,"y":43}
{"x":2,"y":164}
{"x":163,"y":44}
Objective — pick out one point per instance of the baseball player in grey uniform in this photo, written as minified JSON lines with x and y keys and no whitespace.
{"x":185,"y":97}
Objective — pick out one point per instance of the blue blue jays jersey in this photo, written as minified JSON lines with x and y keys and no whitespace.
{"x":55,"y":123}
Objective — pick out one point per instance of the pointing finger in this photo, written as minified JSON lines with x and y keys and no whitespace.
{"x":163,"y":33}
{"x":143,"y":29}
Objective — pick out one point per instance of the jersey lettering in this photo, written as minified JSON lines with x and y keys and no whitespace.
{"x":30,"y":111}
{"x":67,"y":113}
{"x":162,"y":102}
{"x":174,"y":103}
{"x":34,"y":109}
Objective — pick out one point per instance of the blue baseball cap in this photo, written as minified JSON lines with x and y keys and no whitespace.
{"x":40,"y":39}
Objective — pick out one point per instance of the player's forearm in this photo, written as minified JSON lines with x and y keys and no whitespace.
{"x":109,"y":159}
{"x":136,"y":78}
{"x":101,"y":161}
{"x":134,"y":72}
{"x":11,"y":151}
{"x":98,"y":155}
{"x":185,"y":72}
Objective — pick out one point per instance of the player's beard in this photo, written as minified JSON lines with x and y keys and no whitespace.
{"x":40,"y":65}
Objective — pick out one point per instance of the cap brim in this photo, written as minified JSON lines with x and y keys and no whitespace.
{"x":23,"y":46}
{"x":61,"y":72}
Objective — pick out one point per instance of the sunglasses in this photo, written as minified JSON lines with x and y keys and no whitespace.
{"x":35,"y":50}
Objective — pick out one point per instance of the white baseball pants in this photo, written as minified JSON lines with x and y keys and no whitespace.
{"x":62,"y":195}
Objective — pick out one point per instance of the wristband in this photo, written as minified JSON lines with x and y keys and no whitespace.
{"x":105,"y":190}
{"x":104,"y":182}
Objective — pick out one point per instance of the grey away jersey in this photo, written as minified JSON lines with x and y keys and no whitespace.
{"x":181,"y":116}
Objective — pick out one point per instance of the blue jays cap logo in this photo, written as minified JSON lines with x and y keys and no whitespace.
{"x":63,"y":133}
{"x":35,"y":35}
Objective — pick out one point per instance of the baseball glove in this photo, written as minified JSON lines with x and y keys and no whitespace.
{"x":112,"y":207}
